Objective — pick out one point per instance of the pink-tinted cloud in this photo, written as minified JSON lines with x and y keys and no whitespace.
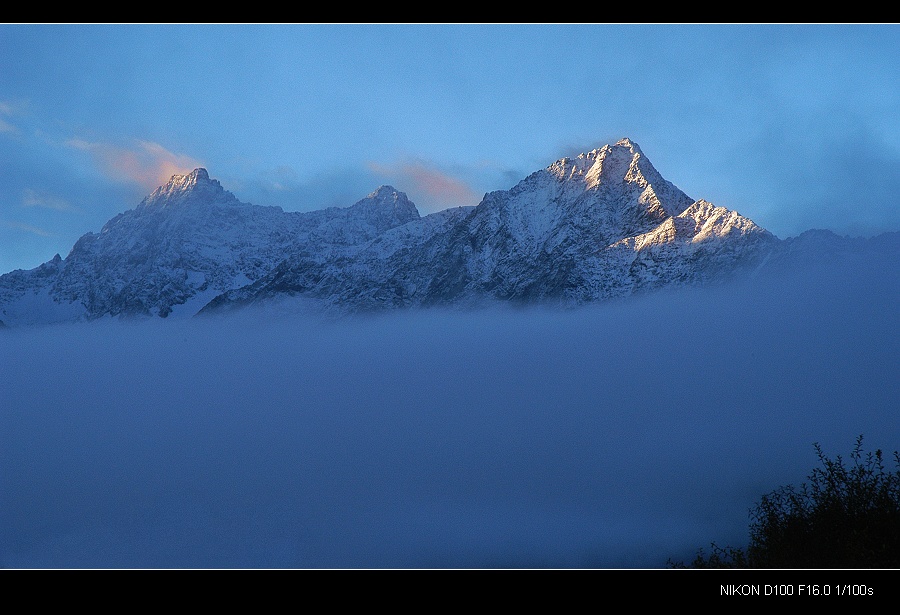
{"x":146,"y":163}
{"x":441,"y":188}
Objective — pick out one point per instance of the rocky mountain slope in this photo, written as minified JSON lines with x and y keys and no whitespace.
{"x":603,"y":224}
{"x":187,"y":242}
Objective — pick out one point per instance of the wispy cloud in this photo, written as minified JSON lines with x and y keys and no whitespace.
{"x":282,"y":179}
{"x":36,"y":198}
{"x":6,"y":108}
{"x":21,"y":226}
{"x":146,"y":163}
{"x":439,"y":187}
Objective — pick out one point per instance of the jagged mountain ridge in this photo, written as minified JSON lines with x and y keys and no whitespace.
{"x":187,"y":242}
{"x":560,"y":235}
{"x":603,"y":224}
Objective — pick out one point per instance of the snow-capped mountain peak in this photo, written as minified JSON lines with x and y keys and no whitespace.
{"x":598,"y":225}
{"x":386,"y":193}
{"x":701,"y":222}
{"x":387,"y":201}
{"x":712,"y":221}
{"x":616,"y":163}
{"x":193,"y":186}
{"x":617,"y":167}
{"x":608,"y":163}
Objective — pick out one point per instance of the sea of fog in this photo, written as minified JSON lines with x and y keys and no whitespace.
{"x":620,"y":435}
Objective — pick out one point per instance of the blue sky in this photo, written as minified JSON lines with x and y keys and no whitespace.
{"x":795,"y":126}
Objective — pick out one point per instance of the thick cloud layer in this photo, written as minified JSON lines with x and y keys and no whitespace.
{"x":614,"y":436}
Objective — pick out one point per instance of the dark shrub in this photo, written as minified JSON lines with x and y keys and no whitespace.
{"x":846,"y":516}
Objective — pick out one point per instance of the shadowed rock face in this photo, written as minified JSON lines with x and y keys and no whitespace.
{"x":566,"y":234}
{"x":184,"y":244}
{"x":601,"y":225}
